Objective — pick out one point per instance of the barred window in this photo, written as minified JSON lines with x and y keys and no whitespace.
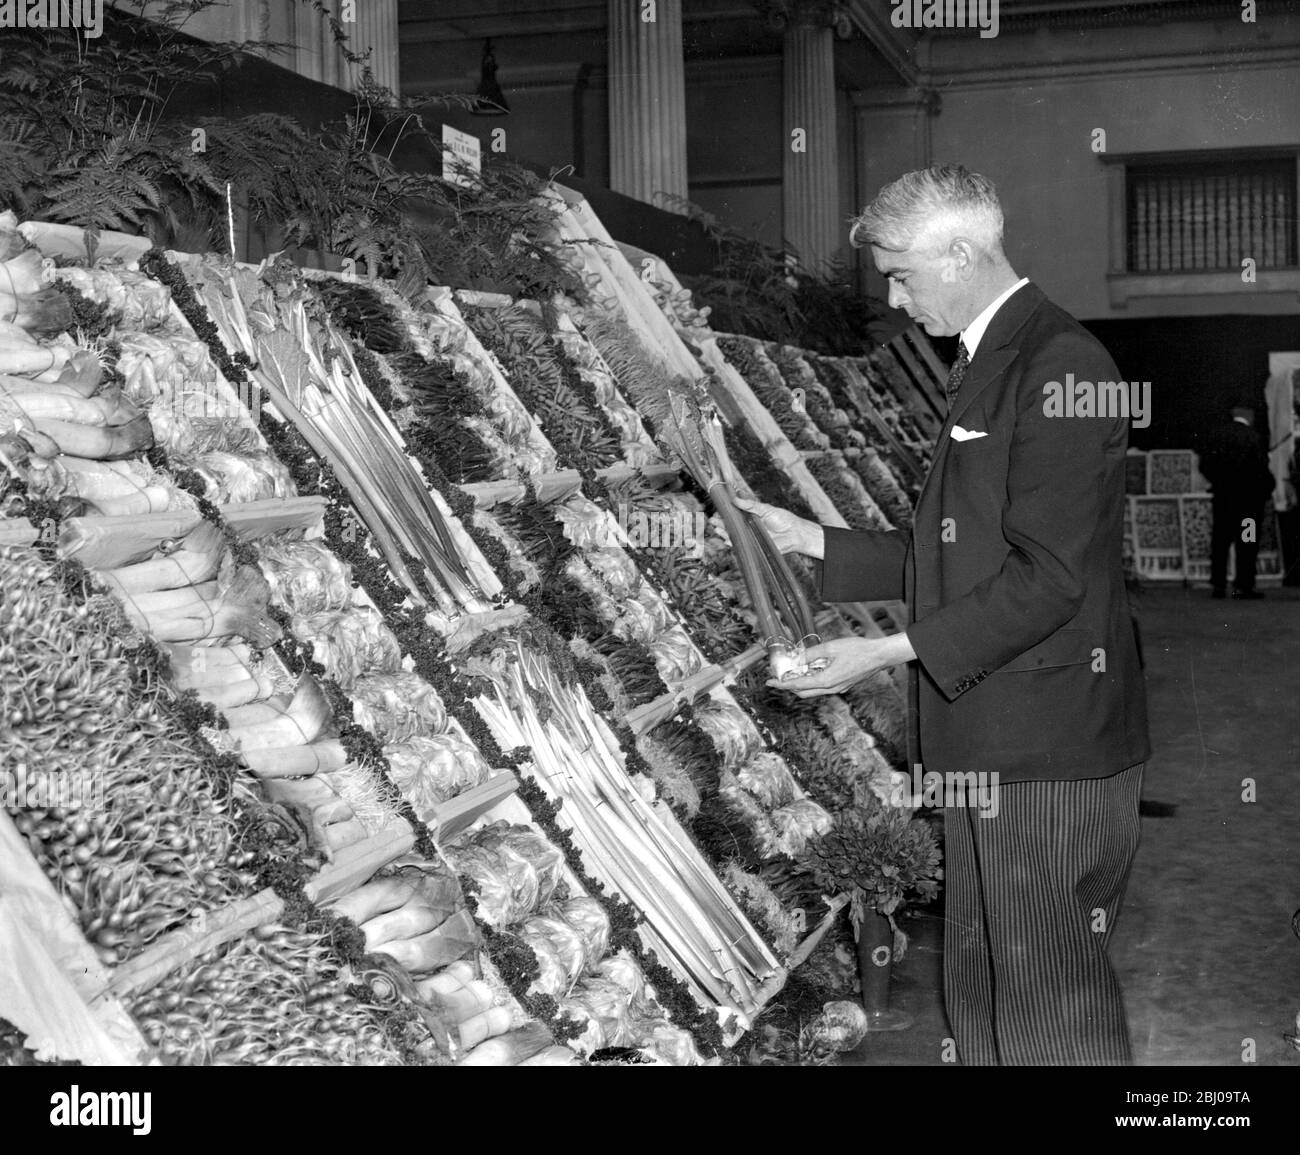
{"x":1209,"y":216}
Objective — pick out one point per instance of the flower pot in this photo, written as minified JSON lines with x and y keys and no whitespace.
{"x":875,"y":938}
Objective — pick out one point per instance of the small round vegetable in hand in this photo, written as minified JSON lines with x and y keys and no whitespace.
{"x":834,"y":666}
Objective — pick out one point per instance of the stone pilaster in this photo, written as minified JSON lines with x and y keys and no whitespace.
{"x":647,"y":101}
{"x":811,"y":215}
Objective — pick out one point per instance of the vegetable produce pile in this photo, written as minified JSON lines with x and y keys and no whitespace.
{"x":368,"y":672}
{"x":276,"y":997}
{"x":688,"y":776}
{"x":137,"y":835}
{"x":186,"y":581}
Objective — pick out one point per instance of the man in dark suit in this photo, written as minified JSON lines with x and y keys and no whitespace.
{"x":1235,"y":463}
{"x":1023,"y":666}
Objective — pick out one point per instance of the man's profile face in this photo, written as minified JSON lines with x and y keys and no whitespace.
{"x":923,"y":284}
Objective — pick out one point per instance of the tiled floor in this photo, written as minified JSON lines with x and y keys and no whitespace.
{"x":1204,"y":949}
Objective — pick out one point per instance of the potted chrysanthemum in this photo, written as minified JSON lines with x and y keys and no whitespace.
{"x":881,"y":857}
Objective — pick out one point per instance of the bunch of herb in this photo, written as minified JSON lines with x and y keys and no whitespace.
{"x":880,"y":858}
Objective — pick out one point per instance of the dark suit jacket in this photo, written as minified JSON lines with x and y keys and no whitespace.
{"x":1235,"y":463}
{"x":1013,"y":569}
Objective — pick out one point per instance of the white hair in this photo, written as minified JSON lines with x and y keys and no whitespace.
{"x":931,"y":206}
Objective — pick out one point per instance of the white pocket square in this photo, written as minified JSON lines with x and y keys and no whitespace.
{"x":960,"y":434}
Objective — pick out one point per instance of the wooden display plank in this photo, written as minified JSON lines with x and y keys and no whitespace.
{"x":254,"y":519}
{"x":919,"y":400}
{"x":351,"y":868}
{"x":926,"y":373}
{"x":456,"y":814}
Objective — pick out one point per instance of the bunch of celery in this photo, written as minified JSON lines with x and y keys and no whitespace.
{"x":312,"y":380}
{"x":692,"y":923}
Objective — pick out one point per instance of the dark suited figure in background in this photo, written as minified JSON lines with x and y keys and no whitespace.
{"x":1022,"y":663}
{"x":1235,"y":463}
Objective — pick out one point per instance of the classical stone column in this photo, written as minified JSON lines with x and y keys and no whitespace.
{"x":647,"y":101}
{"x":812,"y":219}
{"x":376,"y":30}
{"x":369,"y":24}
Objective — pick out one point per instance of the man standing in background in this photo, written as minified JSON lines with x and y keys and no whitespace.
{"x":1235,"y":463}
{"x":1022,"y":662}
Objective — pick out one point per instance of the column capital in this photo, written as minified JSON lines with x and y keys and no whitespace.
{"x":783,"y":15}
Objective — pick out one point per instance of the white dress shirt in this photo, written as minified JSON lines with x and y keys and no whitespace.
{"x":974,"y":332}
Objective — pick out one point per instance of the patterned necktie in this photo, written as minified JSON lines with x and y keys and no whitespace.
{"x":957,"y":373}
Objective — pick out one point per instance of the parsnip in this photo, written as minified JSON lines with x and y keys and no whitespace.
{"x":184,"y":599}
{"x":464,"y":970}
{"x":332,"y":811}
{"x":31,"y":359}
{"x":296,"y":761}
{"x":408,"y":921}
{"x":201,"y":625}
{"x":307,"y":792}
{"x":207,"y":657}
{"x":301,"y":723}
{"x":265,"y":711}
{"x":340,"y":835}
{"x":151,"y":499}
{"x":438,"y":947}
{"x":126,"y":440}
{"x":440,"y":986}
{"x":197,"y":561}
{"x":457,"y":1003}
{"x":48,"y":403}
{"x":494,"y":1021}
{"x":236,"y":693}
{"x":376,"y":897}
{"x":210,"y":678}
{"x":94,"y":485}
{"x":19,"y":387}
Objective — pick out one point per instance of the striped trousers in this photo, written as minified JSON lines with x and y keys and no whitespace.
{"x":1032,"y":894}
